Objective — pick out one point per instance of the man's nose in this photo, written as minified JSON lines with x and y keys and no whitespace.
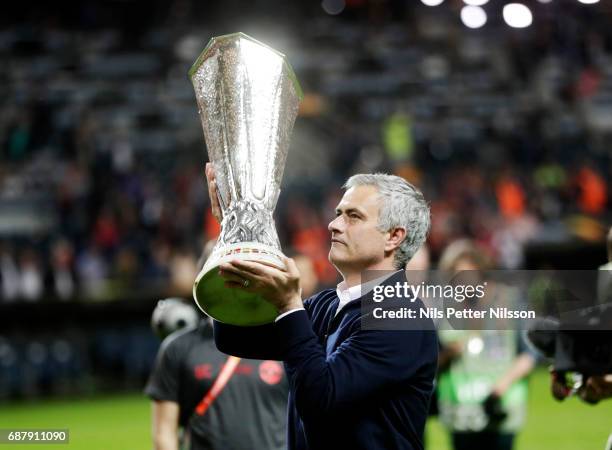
{"x":335,"y":225}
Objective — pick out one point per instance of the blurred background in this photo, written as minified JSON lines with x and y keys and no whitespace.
{"x":501,"y":113}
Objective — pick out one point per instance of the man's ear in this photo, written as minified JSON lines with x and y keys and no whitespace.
{"x":396,"y":237}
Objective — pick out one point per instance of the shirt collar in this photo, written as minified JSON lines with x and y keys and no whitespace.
{"x":348,"y":294}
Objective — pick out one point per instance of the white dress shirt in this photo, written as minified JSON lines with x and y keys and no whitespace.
{"x":348,"y":294}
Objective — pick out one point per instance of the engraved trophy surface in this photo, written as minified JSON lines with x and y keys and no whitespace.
{"x":248,"y":98}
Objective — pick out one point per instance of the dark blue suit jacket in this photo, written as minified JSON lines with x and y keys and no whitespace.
{"x":349,"y":387}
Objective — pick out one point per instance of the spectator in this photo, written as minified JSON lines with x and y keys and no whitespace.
{"x":9,"y":275}
{"x":482,"y":390}
{"x":31,"y":276}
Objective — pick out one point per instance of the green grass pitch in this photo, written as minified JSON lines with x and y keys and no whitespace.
{"x":121,"y":422}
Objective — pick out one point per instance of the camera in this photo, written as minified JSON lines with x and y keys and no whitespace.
{"x":578,"y":343}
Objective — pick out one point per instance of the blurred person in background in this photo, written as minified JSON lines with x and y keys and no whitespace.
{"x":594,"y":388}
{"x":60,"y":278}
{"x":482,"y":389}
{"x":418,"y":265}
{"x":183,"y":270}
{"x":308,"y":275}
{"x":9,"y":274}
{"x":248,"y":410}
{"x":31,"y":275}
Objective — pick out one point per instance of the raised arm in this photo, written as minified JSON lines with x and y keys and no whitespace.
{"x":260,"y":342}
{"x":246,"y":342}
{"x":280,"y":286}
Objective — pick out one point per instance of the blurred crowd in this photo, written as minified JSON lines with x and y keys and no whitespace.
{"x":102,"y":192}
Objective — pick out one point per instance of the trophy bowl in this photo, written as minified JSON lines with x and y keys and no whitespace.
{"x":248,"y":99}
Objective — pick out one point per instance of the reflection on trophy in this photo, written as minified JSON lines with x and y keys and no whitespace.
{"x":248,"y":98}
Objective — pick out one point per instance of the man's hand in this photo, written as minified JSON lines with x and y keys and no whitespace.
{"x":212,"y":192}
{"x":596,"y":388}
{"x":558,"y":386}
{"x":279,"y":286}
{"x":494,"y":410}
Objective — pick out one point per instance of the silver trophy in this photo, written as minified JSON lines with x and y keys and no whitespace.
{"x":248,"y":98}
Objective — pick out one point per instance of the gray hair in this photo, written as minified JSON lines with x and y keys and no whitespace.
{"x":402,"y":206}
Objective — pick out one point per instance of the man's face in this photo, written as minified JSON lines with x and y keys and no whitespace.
{"x":356,"y":243}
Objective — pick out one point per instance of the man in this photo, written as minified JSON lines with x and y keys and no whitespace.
{"x":249,"y":412}
{"x":350,"y":387}
{"x":594,"y":388}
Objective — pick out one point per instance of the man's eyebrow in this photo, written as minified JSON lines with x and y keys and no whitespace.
{"x":350,"y":210}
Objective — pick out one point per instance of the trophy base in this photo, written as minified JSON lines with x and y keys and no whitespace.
{"x":230,"y":305}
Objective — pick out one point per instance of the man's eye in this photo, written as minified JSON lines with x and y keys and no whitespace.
{"x":354,"y":216}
